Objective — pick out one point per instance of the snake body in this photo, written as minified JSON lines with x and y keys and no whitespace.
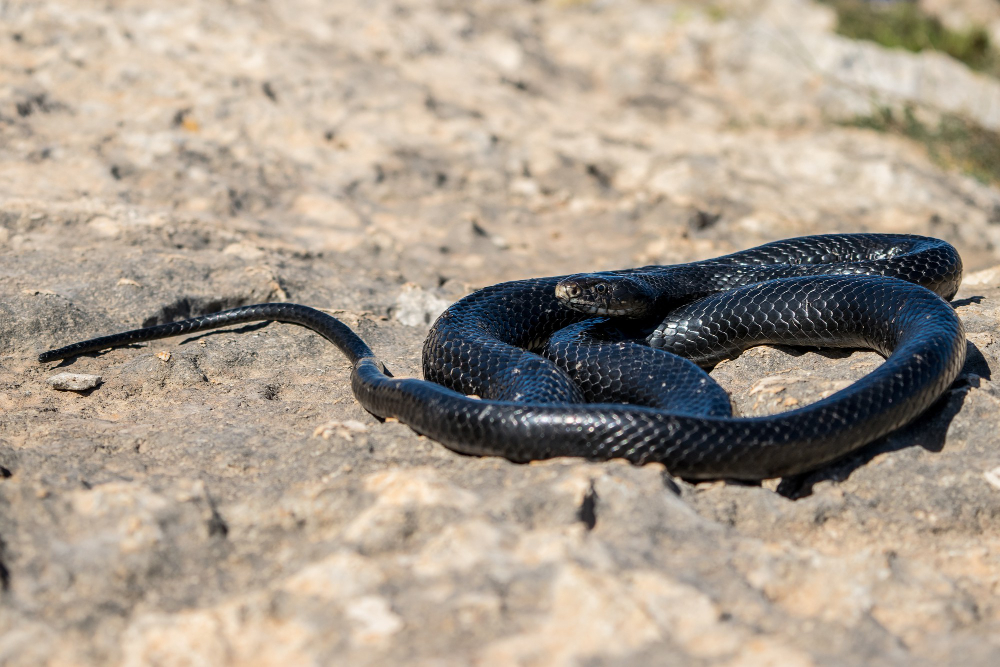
{"x":511,"y":371}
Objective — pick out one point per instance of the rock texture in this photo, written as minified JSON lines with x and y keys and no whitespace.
{"x":221,"y":499}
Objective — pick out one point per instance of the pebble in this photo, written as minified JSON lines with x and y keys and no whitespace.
{"x":416,"y":307}
{"x":74,"y":381}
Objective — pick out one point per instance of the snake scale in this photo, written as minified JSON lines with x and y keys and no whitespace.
{"x":530,"y":370}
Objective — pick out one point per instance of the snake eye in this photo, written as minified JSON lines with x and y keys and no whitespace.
{"x":601,"y":288}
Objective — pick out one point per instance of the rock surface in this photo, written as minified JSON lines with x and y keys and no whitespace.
{"x":221,"y":499}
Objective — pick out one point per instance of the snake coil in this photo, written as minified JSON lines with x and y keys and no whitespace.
{"x":550,"y":381}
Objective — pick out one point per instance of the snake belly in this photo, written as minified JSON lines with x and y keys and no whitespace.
{"x":495,"y":384}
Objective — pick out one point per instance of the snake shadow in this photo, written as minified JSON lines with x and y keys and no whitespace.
{"x":929,"y":431}
{"x":958,"y":303}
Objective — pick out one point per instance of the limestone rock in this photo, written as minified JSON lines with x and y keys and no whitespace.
{"x":222,"y":499}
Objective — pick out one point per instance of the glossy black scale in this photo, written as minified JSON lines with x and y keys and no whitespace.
{"x":545,"y":375}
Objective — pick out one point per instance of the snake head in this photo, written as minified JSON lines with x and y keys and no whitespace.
{"x":599,"y":294}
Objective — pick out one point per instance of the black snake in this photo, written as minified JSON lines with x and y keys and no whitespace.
{"x":524,"y":370}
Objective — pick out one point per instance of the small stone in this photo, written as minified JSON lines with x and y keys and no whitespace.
{"x":163,"y":356}
{"x":417,"y":307}
{"x":993,"y":477}
{"x":344,"y":429}
{"x":74,"y":381}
